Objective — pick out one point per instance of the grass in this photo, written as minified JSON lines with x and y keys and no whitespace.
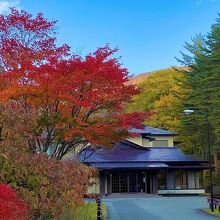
{"x":89,"y":212}
{"x":204,"y":194}
{"x":216,"y":212}
{"x":104,"y":211}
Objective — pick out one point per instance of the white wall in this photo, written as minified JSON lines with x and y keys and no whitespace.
{"x":95,"y":188}
{"x":146,"y":143}
{"x":136,"y":140}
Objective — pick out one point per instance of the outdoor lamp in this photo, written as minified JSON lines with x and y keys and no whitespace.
{"x":188,"y":111}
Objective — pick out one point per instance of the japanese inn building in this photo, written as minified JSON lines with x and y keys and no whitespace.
{"x":147,"y":163}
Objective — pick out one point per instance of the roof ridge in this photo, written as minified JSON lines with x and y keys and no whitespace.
{"x":160,"y":129}
{"x":149,"y":130}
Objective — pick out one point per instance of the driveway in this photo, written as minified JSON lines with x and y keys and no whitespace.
{"x":157,"y":208}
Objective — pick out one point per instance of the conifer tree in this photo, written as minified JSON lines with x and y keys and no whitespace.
{"x":204,"y":80}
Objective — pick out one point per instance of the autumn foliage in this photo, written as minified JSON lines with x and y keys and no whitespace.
{"x":75,"y":100}
{"x":52,"y":101}
{"x":11,"y":206}
{"x":47,"y":185}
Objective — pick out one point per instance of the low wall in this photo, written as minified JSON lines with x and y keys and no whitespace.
{"x":181,"y":191}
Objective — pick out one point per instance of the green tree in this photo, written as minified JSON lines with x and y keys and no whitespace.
{"x":203,"y":58}
{"x":163,"y":92}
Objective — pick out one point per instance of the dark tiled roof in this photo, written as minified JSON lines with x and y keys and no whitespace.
{"x":128,"y":165}
{"x":152,"y":131}
{"x":123,"y":152}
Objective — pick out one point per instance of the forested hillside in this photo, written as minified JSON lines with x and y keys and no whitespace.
{"x":197,"y":86}
{"x":163,"y":92}
{"x":135,"y":80}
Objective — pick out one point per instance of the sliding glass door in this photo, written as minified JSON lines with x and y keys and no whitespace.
{"x":128,"y":182}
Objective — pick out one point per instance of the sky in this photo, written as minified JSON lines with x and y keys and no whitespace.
{"x":148,"y":33}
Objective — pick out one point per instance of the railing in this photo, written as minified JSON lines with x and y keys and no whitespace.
{"x":216,"y":202}
{"x":99,"y":208}
{"x":98,"y":200}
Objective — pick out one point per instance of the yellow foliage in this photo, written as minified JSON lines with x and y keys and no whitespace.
{"x":163,"y":92}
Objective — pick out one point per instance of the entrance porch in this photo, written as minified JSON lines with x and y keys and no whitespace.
{"x":128,"y":182}
{"x":156,"y":181}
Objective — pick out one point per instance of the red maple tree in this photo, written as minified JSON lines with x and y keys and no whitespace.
{"x":76,"y":100}
{"x":11,"y":207}
{"x":47,"y":185}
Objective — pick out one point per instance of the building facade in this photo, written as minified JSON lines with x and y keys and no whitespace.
{"x":147,"y":163}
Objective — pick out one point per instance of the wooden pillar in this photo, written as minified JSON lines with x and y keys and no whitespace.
{"x":106,"y":183}
{"x":119,"y":183}
{"x":110,"y":182}
{"x":136,"y":182}
{"x":102,"y":183}
{"x":128,"y":183}
{"x":154,"y":183}
{"x":145,"y":176}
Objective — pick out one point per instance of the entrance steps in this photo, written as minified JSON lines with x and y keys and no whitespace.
{"x":131,"y":195}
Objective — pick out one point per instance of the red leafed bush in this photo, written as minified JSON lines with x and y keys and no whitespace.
{"x":11,"y":206}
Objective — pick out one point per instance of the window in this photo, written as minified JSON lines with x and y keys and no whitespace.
{"x":195,"y":180}
{"x":115,"y":183}
{"x":123,"y":183}
{"x":180,"y":179}
{"x":162,"y":179}
{"x":160,"y":143}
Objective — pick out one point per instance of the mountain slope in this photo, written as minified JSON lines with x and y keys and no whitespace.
{"x":135,"y":80}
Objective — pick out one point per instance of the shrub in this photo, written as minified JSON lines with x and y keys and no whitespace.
{"x":45,"y":183}
{"x":11,"y":206}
